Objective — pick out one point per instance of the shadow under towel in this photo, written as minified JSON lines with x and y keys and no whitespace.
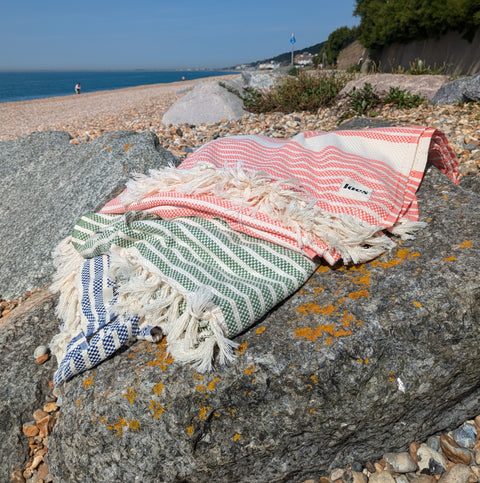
{"x":205,"y":250}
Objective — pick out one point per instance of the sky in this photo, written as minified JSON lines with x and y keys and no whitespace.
{"x":161,"y":34}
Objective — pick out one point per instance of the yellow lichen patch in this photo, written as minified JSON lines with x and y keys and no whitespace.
{"x":130,"y":394}
{"x":156,"y":409}
{"x":417,"y":304}
{"x":249,"y":370}
{"x":190,"y":429}
{"x":449,"y":259}
{"x":89,"y":381}
{"x":158,"y":388}
{"x":237,"y":437}
{"x":242,"y":348}
{"x":320,"y":330}
{"x":122,"y":424}
{"x":212,"y":384}
{"x":363,"y":280}
{"x":260,"y":330}
{"x":400,"y":257}
{"x":466,"y":244}
{"x":203,"y":412}
{"x":314,"y":308}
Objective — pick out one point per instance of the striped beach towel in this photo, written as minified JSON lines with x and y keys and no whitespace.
{"x":200,"y":252}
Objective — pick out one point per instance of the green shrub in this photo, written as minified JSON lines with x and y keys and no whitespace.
{"x":307,"y":92}
{"x":363,"y":100}
{"x":403,"y":99}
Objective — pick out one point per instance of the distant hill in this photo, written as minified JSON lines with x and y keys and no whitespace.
{"x":286,"y":57}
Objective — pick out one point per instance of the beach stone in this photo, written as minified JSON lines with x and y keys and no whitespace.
{"x":381,"y":477}
{"x":260,"y":80}
{"x":459,"y":473}
{"x":400,"y":462}
{"x":207,"y":102}
{"x":434,"y":443}
{"x":465,"y":436}
{"x":351,"y":476}
{"x":430,"y":461}
{"x":24,"y":384}
{"x":453,"y":451}
{"x":352,"y":343}
{"x":48,"y":183}
{"x":464,"y":89}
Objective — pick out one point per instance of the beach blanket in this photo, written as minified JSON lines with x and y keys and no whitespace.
{"x":201,"y":252}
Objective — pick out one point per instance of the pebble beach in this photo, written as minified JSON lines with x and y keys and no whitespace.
{"x":452,"y":457}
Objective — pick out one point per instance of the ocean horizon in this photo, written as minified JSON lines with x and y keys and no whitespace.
{"x":28,"y":85}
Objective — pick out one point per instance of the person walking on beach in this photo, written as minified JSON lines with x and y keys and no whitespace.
{"x":77,"y":88}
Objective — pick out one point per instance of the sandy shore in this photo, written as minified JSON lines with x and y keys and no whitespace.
{"x":101,"y":111}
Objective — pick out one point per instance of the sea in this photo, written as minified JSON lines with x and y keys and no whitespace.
{"x":25,"y":86}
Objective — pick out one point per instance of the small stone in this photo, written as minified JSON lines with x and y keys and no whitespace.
{"x":370,"y":467}
{"x":414,"y":478}
{"x":476,"y":455}
{"x":50,"y":407}
{"x":400,"y":462}
{"x":39,"y":415}
{"x":45,"y":425}
{"x":350,"y":476}
{"x":17,"y":477}
{"x":401,"y":479}
{"x":412,"y":449}
{"x":453,"y":452}
{"x":30,"y":429}
{"x":381,"y":477}
{"x":379,"y":466}
{"x":42,"y":359}
{"x":434,"y":443}
{"x":476,"y":471}
{"x":41,"y":350}
{"x":477,"y":421}
{"x":465,"y":436}
{"x":336,"y":474}
{"x":356,"y":466}
{"x":429,"y":461}
{"x":459,"y":473}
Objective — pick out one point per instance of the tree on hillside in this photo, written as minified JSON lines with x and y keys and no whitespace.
{"x":336,"y":41}
{"x":384,"y":22}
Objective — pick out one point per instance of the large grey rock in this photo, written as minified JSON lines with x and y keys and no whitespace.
{"x":260,"y":80}
{"x":23,"y":383}
{"x":48,"y":183}
{"x":360,"y":361}
{"x":422,"y":85}
{"x":465,"y":89}
{"x":207,"y":102}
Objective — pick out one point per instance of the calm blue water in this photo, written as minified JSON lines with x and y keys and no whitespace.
{"x":24,"y":86}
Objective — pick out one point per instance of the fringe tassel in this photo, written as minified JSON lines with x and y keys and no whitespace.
{"x":281,"y":200}
{"x":193,"y":324}
{"x":66,"y":279}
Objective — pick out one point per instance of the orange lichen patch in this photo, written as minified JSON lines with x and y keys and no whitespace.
{"x":260,"y":330}
{"x":127,"y":147}
{"x":89,"y":382}
{"x":203,"y":412}
{"x":322,"y":269}
{"x":360,"y":294}
{"x":314,"y":378}
{"x":79,"y":401}
{"x":110,"y":148}
{"x":391,"y":376}
{"x":320,"y":330}
{"x":212,"y":384}
{"x":200,"y":388}
{"x":400,"y":257}
{"x":242,"y":348}
{"x":122,"y":424}
{"x":314,"y":308}
{"x":162,"y":357}
{"x":190,"y":429}
{"x":158,"y":388}
{"x":417,"y":304}
{"x":198,"y":376}
{"x":237,"y":437}
{"x":130,"y":394}
{"x":363,"y":361}
{"x":466,"y":244}
{"x":249,"y":370}
{"x":449,"y":259}
{"x":232,"y":412}
{"x":156,"y":409}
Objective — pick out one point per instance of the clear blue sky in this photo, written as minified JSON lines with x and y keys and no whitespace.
{"x":164,"y":34}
